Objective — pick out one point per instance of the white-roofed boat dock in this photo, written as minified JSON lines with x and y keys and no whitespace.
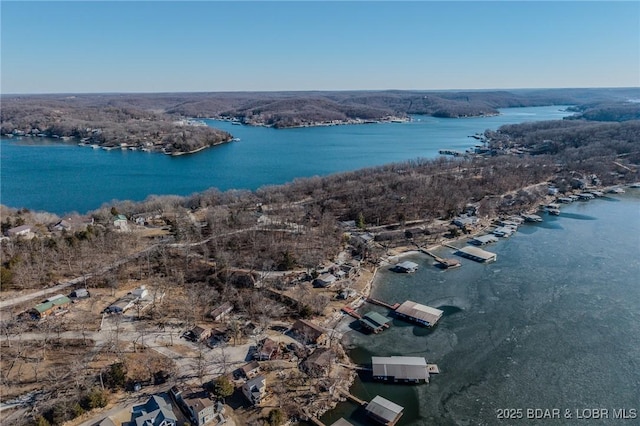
{"x":421,"y":314}
{"x":477,"y":254}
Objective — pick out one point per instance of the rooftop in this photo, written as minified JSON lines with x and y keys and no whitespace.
{"x":374,"y":320}
{"x":400,"y":368}
{"x":474,"y":253}
{"x":384,"y":409}
{"x":420,"y":312}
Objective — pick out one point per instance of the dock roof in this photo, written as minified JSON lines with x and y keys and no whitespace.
{"x":407,"y":265}
{"x":485,"y":239}
{"x":420,"y":312}
{"x":374,"y":320}
{"x":384,"y":409}
{"x":477,"y":254}
{"x":400,"y":367}
{"x":341,"y":422}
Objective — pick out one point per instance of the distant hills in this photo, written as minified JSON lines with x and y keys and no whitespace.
{"x":71,"y":115}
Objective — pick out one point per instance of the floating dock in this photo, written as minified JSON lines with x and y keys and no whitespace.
{"x":381,"y":303}
{"x":433,"y":369}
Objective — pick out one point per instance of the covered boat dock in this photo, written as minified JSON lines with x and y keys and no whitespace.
{"x":400,"y":368}
{"x":423,"y":315}
{"x":477,"y":254}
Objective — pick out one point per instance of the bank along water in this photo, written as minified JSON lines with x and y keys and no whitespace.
{"x":46,"y":174}
{"x":552,"y":324}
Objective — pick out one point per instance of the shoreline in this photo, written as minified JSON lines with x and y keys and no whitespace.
{"x":81,"y":142}
{"x":407,"y":251}
{"x":399,"y":253}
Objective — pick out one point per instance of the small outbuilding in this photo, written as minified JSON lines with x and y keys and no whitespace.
{"x":79,"y":293}
{"x":221,"y":311}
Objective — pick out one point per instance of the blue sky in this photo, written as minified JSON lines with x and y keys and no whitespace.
{"x":156,"y":46}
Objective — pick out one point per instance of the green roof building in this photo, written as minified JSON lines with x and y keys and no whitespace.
{"x":374,"y":322}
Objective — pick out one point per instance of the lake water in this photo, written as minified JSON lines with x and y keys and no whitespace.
{"x":553,"y":324}
{"x":45,"y":174}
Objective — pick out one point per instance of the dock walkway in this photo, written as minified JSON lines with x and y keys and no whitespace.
{"x":350,"y":311}
{"x":352,"y":398}
{"x":444,"y":263}
{"x":382,"y":303}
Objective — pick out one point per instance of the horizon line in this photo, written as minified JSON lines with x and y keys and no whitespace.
{"x":313,"y":91}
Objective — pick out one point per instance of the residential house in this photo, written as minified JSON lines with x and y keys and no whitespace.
{"x":120,"y":222}
{"x":197,"y":334}
{"x":465,"y":221}
{"x":221,"y":311}
{"x":55,"y":305}
{"x":250,"y":370}
{"x":255,"y":389}
{"x":309,"y":333}
{"x":22,"y":231}
{"x":268,"y":350}
{"x":155,"y":412}
{"x":319,"y":362}
{"x":196,"y":405}
{"x":350,"y":269}
{"x":324,"y":280}
{"x":73,"y":224}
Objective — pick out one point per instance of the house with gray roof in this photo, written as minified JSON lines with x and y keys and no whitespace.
{"x":255,"y":389}
{"x":155,"y":412}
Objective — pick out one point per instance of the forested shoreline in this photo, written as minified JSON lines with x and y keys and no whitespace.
{"x":561,"y":153}
{"x":161,"y":122}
